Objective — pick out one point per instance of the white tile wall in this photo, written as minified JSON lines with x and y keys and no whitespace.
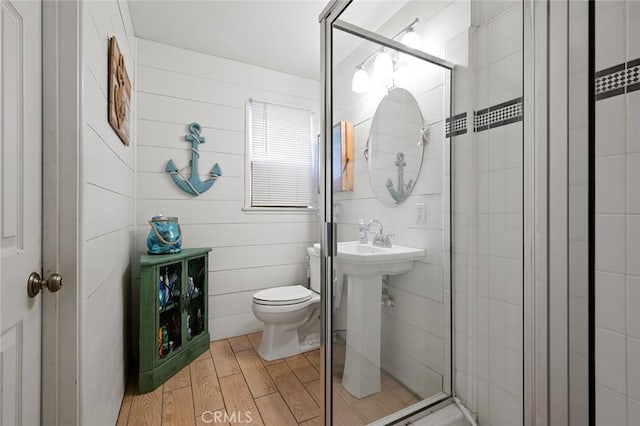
{"x":505,"y":78}
{"x":611,"y":247}
{"x":251,"y":251}
{"x":505,"y":34}
{"x":611,"y":49}
{"x":633,"y":175}
{"x":488,"y":222}
{"x":610,"y":295}
{"x":633,"y":408}
{"x":633,"y":126}
{"x":633,"y":306}
{"x":107,"y":233}
{"x":633,"y":244}
{"x":633,"y":368}
{"x":504,"y":408}
{"x":610,"y":125}
{"x":610,"y":408}
{"x":612,"y":199}
{"x":611,"y":354}
{"x":617,"y":224}
{"x":483,"y":11}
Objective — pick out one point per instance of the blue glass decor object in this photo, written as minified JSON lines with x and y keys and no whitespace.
{"x":188,"y":327}
{"x":193,"y":185}
{"x":174,"y":290}
{"x":162,"y":293}
{"x":165,"y":236}
{"x":165,"y":340}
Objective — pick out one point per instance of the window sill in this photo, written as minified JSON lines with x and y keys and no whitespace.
{"x":279,"y":210}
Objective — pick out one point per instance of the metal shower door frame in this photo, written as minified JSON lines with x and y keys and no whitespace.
{"x":329,"y":20}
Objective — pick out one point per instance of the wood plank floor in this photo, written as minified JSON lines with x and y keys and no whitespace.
{"x":231,"y":378}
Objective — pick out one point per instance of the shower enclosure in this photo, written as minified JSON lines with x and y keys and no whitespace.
{"x":389,"y":318}
{"x":422,"y":246}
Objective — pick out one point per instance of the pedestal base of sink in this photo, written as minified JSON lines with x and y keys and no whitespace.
{"x":364,"y":266}
{"x":361,"y":376}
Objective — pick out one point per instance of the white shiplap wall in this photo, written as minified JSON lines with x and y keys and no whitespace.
{"x":415,"y":336}
{"x":251,"y":250}
{"x":108,"y":203}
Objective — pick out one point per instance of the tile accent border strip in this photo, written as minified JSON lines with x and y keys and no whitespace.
{"x":633,"y":75}
{"x":488,"y":118}
{"x":459,"y":125}
{"x":617,"y":80}
{"x":498,"y":115}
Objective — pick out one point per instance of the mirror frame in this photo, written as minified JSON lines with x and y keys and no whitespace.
{"x":404,"y":190}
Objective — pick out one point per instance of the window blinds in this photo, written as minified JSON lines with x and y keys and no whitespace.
{"x":281,"y":155}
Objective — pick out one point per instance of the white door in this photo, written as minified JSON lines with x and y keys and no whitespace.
{"x":20,"y":210}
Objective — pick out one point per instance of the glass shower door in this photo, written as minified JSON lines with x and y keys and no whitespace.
{"x":387,"y":162}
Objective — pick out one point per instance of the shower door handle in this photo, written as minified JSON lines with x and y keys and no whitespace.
{"x":332,"y":237}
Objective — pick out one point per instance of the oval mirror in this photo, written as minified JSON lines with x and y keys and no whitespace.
{"x":395,"y":146}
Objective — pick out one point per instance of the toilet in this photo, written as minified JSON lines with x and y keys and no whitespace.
{"x":291,"y":315}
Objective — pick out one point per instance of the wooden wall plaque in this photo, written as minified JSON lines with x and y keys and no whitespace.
{"x":342,"y":156}
{"x":119,"y":93}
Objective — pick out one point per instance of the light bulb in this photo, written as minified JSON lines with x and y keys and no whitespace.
{"x":383,"y":67}
{"x":410,"y":39}
{"x":360,"y":82}
{"x":402,"y":77}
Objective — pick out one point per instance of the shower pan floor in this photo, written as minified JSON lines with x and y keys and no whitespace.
{"x":231,"y":382}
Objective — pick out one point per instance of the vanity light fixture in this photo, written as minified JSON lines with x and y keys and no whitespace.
{"x":384,"y":64}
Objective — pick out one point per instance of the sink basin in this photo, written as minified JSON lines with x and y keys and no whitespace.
{"x":364,"y":265}
{"x":355,"y":252}
{"x":359,"y":259}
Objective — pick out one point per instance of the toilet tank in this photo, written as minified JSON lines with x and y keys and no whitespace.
{"x":314,"y":267}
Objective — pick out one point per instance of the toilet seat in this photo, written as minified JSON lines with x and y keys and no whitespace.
{"x":285,"y":295}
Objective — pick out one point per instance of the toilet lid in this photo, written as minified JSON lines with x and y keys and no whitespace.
{"x":285,"y":295}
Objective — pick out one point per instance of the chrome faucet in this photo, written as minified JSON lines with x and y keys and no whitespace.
{"x":380,"y":238}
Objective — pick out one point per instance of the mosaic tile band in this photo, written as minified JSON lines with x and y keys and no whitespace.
{"x":488,"y":118}
{"x":498,"y":115}
{"x":459,"y":125}
{"x":617,"y":80}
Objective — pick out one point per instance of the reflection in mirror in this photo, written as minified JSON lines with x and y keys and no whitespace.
{"x":395,"y":146}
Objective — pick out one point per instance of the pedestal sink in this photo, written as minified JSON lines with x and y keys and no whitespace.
{"x":364,"y":265}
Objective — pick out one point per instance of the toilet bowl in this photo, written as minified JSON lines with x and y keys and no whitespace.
{"x":291,"y":315}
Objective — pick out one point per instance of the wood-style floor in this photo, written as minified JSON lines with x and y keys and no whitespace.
{"x":232,"y":378}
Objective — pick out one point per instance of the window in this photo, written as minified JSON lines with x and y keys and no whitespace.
{"x":280,"y":156}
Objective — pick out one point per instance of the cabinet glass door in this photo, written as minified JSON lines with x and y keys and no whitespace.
{"x":169,"y":308}
{"x":195,"y":294}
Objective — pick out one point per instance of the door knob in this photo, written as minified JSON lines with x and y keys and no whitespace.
{"x":35,"y":283}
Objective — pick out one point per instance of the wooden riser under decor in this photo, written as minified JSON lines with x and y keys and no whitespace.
{"x":150,"y":380}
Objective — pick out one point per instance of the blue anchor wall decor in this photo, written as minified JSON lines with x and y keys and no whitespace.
{"x":193,"y":185}
{"x":403,"y":191}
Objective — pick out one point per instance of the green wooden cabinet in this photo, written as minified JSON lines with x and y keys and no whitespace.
{"x":173,"y":314}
